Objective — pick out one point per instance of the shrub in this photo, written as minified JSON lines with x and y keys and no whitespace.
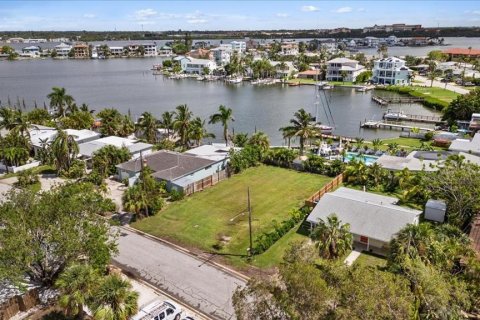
{"x":26,"y":178}
{"x":314,"y":164}
{"x":281,"y":157}
{"x":249,"y":156}
{"x":429,"y":136}
{"x":176,"y":195}
{"x":266,"y":239}
{"x":76,"y":171}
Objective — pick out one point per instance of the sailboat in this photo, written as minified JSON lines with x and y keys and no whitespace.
{"x":322,"y":100}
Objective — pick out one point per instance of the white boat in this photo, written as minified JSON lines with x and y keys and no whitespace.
{"x":395,"y":116}
{"x":361,"y":89}
{"x":235,"y":80}
{"x":323,"y":85}
{"x":201,"y":78}
{"x":324,"y":129}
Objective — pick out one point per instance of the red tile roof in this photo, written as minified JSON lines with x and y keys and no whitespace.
{"x":309,"y":72}
{"x":475,"y":234}
{"x":462,"y":51}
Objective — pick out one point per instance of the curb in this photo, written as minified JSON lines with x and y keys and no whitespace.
{"x":223,"y":268}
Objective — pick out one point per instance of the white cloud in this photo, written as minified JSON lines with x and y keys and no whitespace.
{"x":344,"y":10}
{"x":145,"y":14}
{"x":89,"y":15}
{"x":309,"y":8}
{"x":282,"y":15}
{"x":197,"y":21}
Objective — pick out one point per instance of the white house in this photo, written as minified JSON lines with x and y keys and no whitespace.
{"x":31,"y":51}
{"x":288,"y":69}
{"x":165,"y":51}
{"x":116,"y":51}
{"x":41,"y":135}
{"x":63,"y":49}
{"x":374,"y":219}
{"x":150,"y":49}
{"x":222,"y":54}
{"x":391,"y":70}
{"x":196,"y":66}
{"x":467,"y":146}
{"x":339,"y":66}
{"x":135,"y":147}
{"x":239,"y":46}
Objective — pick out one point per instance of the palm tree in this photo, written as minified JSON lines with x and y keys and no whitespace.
{"x":223,"y":116}
{"x":392,"y":148}
{"x":198,"y":132}
{"x":332,"y":238}
{"x":77,"y":285}
{"x":376,"y":174}
{"x":64,"y":149}
{"x":60,"y":100}
{"x":261,"y":140}
{"x":167,"y":122}
{"x":114,"y":299}
{"x":432,"y":71}
{"x":411,"y":242}
{"x":7,"y":118}
{"x":181,"y":124}
{"x":356,"y":172}
{"x":85,"y":108}
{"x":288,"y":133}
{"x":240,"y":139}
{"x":344,"y":75}
{"x":302,"y":126}
{"x":148,"y":125}
{"x":359,"y":142}
{"x":376,"y":143}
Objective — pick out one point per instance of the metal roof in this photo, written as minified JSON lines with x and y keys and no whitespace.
{"x":372,"y":215}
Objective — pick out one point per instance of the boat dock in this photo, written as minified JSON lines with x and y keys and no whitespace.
{"x":384,"y":101}
{"x":371,"y":124}
{"x":415,"y":118}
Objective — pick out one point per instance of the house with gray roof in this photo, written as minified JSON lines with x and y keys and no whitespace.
{"x":182,"y":172}
{"x":135,"y":147}
{"x":374,"y":219}
{"x":466,"y":145}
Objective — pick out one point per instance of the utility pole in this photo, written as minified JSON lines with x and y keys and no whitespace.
{"x":249,"y":223}
{"x":142,"y":175}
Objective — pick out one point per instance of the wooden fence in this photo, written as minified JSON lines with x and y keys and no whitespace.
{"x":312,"y":200}
{"x":206,"y":182}
{"x":19,"y":303}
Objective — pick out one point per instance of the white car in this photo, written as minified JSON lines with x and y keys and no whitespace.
{"x":159,"y":310}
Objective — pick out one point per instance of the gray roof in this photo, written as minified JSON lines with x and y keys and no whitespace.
{"x":372,"y":215}
{"x":470,"y":146}
{"x":168,"y":165}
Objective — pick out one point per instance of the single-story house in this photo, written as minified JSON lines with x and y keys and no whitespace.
{"x":182,"y":172}
{"x":422,"y":160}
{"x":214,"y":151}
{"x":467,"y":146}
{"x":39,"y":135}
{"x":309,"y":74}
{"x":87,"y":149}
{"x":374,"y":219}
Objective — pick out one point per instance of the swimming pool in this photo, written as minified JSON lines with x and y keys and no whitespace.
{"x":368,"y":160}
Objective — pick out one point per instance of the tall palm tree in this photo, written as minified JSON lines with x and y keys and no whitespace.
{"x":114,"y":299}
{"x":65,"y":150}
{"x":181,"y":124}
{"x":7,"y":118}
{"x":148,"y":125}
{"x":432,"y":71}
{"x":60,"y":100}
{"x":77,"y":285}
{"x":288,"y":133}
{"x":198,"y":132}
{"x":302,"y":126}
{"x":223,"y":116}
{"x":411,"y":242}
{"x":167,"y":122}
{"x":261,"y":140}
{"x":85,"y":108}
{"x":332,"y":238}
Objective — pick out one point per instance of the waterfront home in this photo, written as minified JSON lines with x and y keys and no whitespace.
{"x":15,"y":40}
{"x":286,"y":71}
{"x":81,"y":51}
{"x":62,"y":49}
{"x":135,"y":147}
{"x":309,"y":74}
{"x":149,"y":49}
{"x":338,"y":67}
{"x":374,"y":219}
{"x":289,"y":48}
{"x":455,"y":53}
{"x":35,"y":40}
{"x":196,"y":66}
{"x":116,"y":51}
{"x":391,"y":70}
{"x":222,"y":54}
{"x":165,"y":51}
{"x":474,"y":124}
{"x":31,"y":51}
{"x":466,"y":145}
{"x":239,"y":46}
{"x":214,"y":151}
{"x":41,"y":136}
{"x":200,"y":54}
{"x":181,"y":172}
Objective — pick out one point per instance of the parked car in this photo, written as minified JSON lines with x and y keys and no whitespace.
{"x":468,"y":84}
{"x":159,"y":310}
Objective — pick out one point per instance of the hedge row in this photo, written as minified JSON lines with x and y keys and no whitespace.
{"x":267,"y":239}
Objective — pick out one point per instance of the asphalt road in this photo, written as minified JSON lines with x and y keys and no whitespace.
{"x":181,"y":275}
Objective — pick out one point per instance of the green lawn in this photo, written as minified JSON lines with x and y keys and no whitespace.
{"x":409,"y":144}
{"x":302,"y":81}
{"x":372,"y":260}
{"x":434,"y":92}
{"x":219,"y":213}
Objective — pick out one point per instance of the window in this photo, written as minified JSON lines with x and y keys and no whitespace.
{"x":170,"y":311}
{"x":162,"y":316}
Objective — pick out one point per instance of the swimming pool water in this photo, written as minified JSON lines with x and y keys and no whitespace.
{"x":368,"y":160}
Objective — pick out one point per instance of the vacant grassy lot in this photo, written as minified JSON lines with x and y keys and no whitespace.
{"x":368,"y":259}
{"x":439,"y":93}
{"x":216,"y":219}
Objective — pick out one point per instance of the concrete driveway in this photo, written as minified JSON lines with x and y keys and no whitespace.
{"x":191,"y":280}
{"x":438,"y":84}
{"x":115,"y":192}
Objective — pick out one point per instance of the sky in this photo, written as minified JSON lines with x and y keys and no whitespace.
{"x":230,"y":15}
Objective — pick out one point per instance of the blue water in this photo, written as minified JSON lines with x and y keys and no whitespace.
{"x":368,"y":160}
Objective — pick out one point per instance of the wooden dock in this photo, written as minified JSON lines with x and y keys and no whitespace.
{"x":384,"y":101}
{"x":390,"y":126}
{"x":415,"y":118}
